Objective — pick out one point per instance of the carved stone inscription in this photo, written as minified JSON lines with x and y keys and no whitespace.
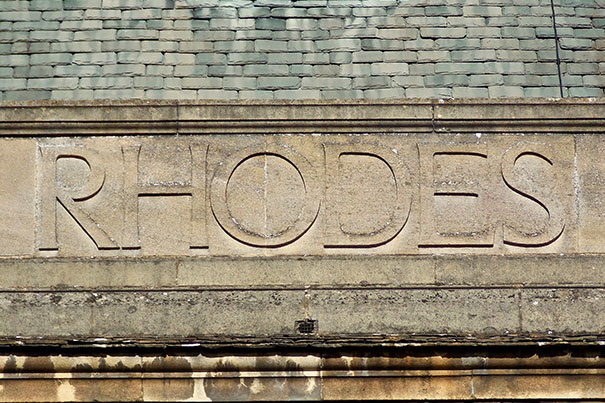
{"x":304,"y":195}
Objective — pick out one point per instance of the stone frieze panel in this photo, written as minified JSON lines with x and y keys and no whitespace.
{"x":299,"y":194}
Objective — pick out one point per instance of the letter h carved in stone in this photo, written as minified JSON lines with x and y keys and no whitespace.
{"x":139,"y":183}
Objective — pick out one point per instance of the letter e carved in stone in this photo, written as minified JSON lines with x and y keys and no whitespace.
{"x":454,"y":195}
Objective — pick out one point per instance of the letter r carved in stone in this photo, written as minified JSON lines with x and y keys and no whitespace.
{"x":67,"y":187}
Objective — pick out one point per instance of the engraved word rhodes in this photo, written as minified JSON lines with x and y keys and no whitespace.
{"x":304,"y":194}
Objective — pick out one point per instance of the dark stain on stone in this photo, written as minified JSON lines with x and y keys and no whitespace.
{"x":172,"y":389}
{"x":55,"y":298}
{"x":38,"y":364}
{"x":82,"y":368}
{"x":11,"y":365}
{"x":168,"y":364}
{"x":226,"y":389}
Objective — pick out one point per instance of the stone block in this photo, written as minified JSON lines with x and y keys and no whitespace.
{"x":183,"y":47}
{"x":242,"y":58}
{"x":342,"y":94}
{"x":69,"y":95}
{"x":388,"y":22}
{"x":106,"y":82}
{"x":469,"y":92}
{"x":202,"y":82}
{"x":10,"y":84}
{"x":77,"y":71}
{"x":27,"y":95}
{"x":239,"y":83}
{"x":326,"y":83}
{"x":52,"y":83}
{"x":556,"y":311}
{"x":150,"y":82}
{"x":75,"y":47}
{"x":59,"y":36}
{"x":327,"y":24}
{"x":123,"y":69}
{"x":216,"y":94}
{"x":255,"y":12}
{"x":272,"y":24}
{"x":33,"y":72}
{"x":21,"y":15}
{"x":586,"y":92}
{"x":435,"y":56}
{"x":505,"y":21}
{"x":356,"y":70}
{"x":222,"y":70}
{"x":409,"y":81}
{"x":262,"y":45}
{"x":482,"y":11}
{"x":516,"y":55}
{"x":106,"y":58}
{"x":458,"y":44}
{"x":447,"y":80}
{"x":99,"y":35}
{"x":389,"y":69}
{"x":256,"y":94}
{"x":518,"y":32}
{"x":492,"y":43}
{"x":301,"y":70}
{"x":484,"y":32}
{"x":136,"y":34}
{"x":130,"y":93}
{"x":466,"y":21}
{"x":371,"y":82}
{"x":213,"y":58}
{"x":233,"y":46}
{"x":588,"y":56}
{"x":124,"y":46}
{"x":486,"y":80}
{"x":340,"y":45}
{"x":14,"y":60}
{"x":180,"y":58}
{"x":428,"y":92}
{"x":278,"y":83}
{"x":266,"y":70}
{"x":297,"y":94}
{"x":542,"y":92}
{"x":397,"y":33}
{"x":367,"y":56}
{"x":384,"y":93}
{"x":458,"y":311}
{"x":426,"y":21}
{"x":433,"y":33}
{"x":54,"y":58}
{"x":164,"y":71}
{"x":381,"y":44}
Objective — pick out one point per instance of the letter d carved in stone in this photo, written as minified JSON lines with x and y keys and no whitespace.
{"x":368,"y":195}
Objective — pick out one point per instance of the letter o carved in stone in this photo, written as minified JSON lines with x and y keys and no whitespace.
{"x":265,"y":195}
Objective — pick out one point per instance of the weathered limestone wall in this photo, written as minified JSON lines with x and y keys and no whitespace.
{"x":230,"y":49}
{"x":302,"y":250}
{"x":406,"y":220}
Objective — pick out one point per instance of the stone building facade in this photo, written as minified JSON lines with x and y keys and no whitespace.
{"x":232,"y":200}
